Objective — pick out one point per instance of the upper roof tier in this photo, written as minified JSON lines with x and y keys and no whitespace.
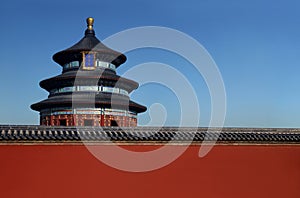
{"x":89,"y":43}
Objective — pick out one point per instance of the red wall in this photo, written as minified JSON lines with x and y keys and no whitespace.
{"x":227,"y":171}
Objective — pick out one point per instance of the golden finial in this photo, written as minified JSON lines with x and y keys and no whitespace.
{"x":90,"y":22}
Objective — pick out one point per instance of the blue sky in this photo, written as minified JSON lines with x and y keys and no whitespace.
{"x":256,"y":45}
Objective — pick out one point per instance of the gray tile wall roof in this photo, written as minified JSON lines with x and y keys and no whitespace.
{"x":152,"y":135}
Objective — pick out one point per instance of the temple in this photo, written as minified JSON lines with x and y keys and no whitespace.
{"x":88,"y":92}
{"x":80,"y":161}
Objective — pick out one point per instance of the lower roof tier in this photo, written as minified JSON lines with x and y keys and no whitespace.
{"x":97,"y":77}
{"x":91,"y":100}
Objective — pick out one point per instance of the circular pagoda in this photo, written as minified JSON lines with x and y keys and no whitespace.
{"x":88,"y":92}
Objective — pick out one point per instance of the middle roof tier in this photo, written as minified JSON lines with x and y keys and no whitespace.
{"x":89,"y":78}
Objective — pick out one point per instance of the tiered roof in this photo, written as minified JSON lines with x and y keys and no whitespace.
{"x":100,"y":76}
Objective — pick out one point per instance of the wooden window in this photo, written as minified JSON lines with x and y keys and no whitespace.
{"x":113,"y":123}
{"x":88,"y":122}
{"x":63,"y":122}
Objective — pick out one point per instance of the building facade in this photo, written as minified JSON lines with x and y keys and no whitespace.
{"x":88,"y":92}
